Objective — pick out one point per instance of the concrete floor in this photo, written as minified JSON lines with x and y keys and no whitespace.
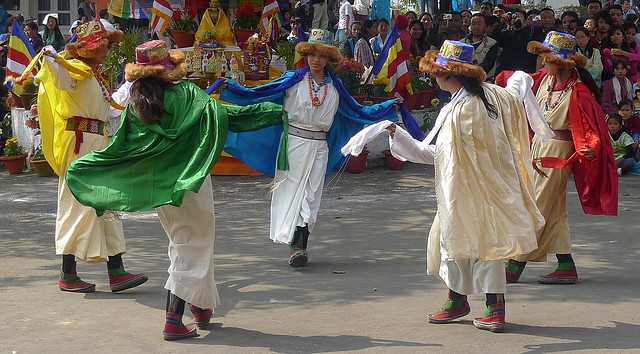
{"x":372,"y":227}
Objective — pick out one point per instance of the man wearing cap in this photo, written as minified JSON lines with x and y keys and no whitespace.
{"x":172,"y":134}
{"x":322,"y":117}
{"x":485,"y":198}
{"x":74,"y":104}
{"x":581,"y":144}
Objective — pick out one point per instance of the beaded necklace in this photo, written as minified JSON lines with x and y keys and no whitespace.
{"x":548,"y":105}
{"x":102,"y":82}
{"x":315,"y":88}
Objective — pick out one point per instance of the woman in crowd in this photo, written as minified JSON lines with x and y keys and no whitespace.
{"x":378,"y":42}
{"x":31,"y":30}
{"x":411,"y":16}
{"x":419,"y":44}
{"x":617,"y":50}
{"x":52,"y":35}
{"x":594,"y":61}
{"x":617,"y":89}
{"x":603,"y":26}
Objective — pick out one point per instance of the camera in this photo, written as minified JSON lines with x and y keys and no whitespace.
{"x":447,"y":17}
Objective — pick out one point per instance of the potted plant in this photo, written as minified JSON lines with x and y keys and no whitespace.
{"x":40,"y":164}
{"x":349,"y":72}
{"x":121,"y":54}
{"x":246,"y":22}
{"x":14,"y":158}
{"x":430,"y":115}
{"x":392,"y":162}
{"x":422,"y":92}
{"x":357,"y":164}
{"x":183,"y":29}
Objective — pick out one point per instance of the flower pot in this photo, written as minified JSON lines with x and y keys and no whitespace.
{"x":357,"y":164}
{"x":14,"y":164}
{"x":392,"y":162}
{"x":42,"y":168}
{"x":183,"y":39}
{"x":242,"y":36}
{"x":27,"y":100}
{"x":419,"y":100}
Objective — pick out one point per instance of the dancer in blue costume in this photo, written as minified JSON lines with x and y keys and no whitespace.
{"x":322,"y":116}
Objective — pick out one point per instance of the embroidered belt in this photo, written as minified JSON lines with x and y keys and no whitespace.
{"x":564,"y":135}
{"x":81,"y":125}
{"x":307,"y":134}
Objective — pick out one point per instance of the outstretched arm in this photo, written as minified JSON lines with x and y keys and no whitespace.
{"x":406,"y":148}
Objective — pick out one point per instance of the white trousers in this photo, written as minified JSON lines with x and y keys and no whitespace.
{"x":191,"y":232}
{"x":296,"y":199}
{"x":79,"y":231}
{"x":320,"y":16}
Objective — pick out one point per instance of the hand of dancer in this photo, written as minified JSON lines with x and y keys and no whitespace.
{"x":392,"y":130}
{"x":588,"y":153}
{"x":398,"y":99}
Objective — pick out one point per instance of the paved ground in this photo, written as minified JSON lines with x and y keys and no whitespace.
{"x":372,"y":228}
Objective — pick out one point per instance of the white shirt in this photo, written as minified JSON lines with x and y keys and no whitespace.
{"x":345,"y":10}
{"x":362,"y":7}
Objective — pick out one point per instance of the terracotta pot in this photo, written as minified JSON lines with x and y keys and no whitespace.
{"x":419,"y":100}
{"x":42,"y":168}
{"x":357,"y":164}
{"x":14,"y":164}
{"x":242,"y":36}
{"x":183,"y":39}
{"x":392,"y":162}
{"x":27,"y":100}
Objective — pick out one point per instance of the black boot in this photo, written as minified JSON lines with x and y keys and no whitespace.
{"x":174,"y":329}
{"x":298,"y":248}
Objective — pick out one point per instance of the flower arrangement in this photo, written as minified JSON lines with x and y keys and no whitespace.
{"x":12,"y":148}
{"x":182,"y":21}
{"x":246,"y":16}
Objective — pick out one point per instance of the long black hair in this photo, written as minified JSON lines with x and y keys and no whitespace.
{"x":147,"y":98}
{"x":474,"y":87}
{"x":588,"y":80}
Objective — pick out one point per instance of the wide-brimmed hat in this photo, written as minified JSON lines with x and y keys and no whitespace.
{"x":154,"y":59}
{"x":558,"y":48}
{"x":453,"y":58}
{"x":320,"y":42}
{"x":93,"y":37}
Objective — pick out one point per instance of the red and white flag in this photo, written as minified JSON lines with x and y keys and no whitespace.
{"x":271,"y":8}
{"x":161,"y":14}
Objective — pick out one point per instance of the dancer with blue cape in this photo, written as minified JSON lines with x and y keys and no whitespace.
{"x":322,"y":117}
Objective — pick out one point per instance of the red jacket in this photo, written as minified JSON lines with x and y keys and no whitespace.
{"x":596,"y":180}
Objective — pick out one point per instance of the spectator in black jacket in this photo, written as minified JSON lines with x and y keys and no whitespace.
{"x":593,"y":7}
{"x":513,"y":41}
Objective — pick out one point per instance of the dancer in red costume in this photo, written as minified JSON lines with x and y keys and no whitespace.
{"x":580,"y":145}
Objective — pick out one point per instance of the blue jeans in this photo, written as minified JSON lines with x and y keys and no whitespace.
{"x":341,"y":36}
{"x":626,"y":164}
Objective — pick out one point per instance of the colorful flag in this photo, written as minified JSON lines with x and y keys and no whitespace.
{"x":130,"y":9}
{"x":271,"y":8}
{"x":19,"y":54}
{"x":391,"y":68}
{"x":298,"y":60}
{"x":161,"y":14}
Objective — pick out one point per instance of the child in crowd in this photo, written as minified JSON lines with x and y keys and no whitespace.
{"x":636,"y":102}
{"x":630,"y":119}
{"x":623,"y":144}
{"x":617,"y":88}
